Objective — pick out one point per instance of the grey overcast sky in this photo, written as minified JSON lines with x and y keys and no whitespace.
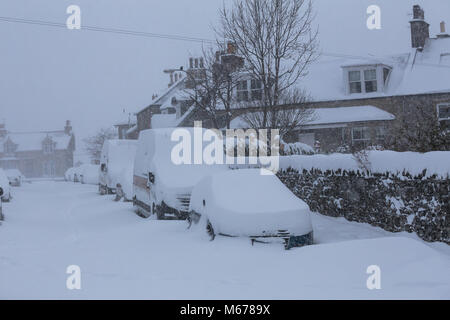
{"x":48,"y":75}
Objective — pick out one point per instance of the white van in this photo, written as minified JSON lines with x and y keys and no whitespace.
{"x":116,"y":167}
{"x":4,"y":187}
{"x":160,"y":186}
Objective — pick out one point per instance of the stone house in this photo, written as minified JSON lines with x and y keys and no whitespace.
{"x":46,"y":154}
{"x":355,"y":99}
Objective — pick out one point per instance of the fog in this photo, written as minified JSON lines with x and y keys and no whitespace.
{"x":52,"y":74}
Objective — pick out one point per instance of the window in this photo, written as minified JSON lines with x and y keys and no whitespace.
{"x":386,"y":73}
{"x":370,"y":80}
{"x":256,"y":89}
{"x":242,"y":91}
{"x":10,"y":147}
{"x":443,"y":111}
{"x":354,"y":78}
{"x":360,"y":136}
{"x":381,"y":134}
{"x":49,"y":168}
{"x":48,"y":146}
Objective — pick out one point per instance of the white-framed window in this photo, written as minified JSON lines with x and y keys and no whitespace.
{"x":49,"y":168}
{"x":10,"y":147}
{"x":443,"y":113}
{"x":381,"y":133}
{"x":256,"y":90}
{"x":249,"y":90}
{"x":360,"y":136}
{"x":370,"y":80}
{"x":354,"y":81}
{"x":242,"y":90}
{"x":366,"y":79}
{"x":48,"y":147}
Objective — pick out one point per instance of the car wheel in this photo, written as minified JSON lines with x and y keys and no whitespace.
{"x":210,"y":231}
{"x":159,"y":212}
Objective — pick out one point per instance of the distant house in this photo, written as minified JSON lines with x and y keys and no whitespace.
{"x":355,"y":99}
{"x":126,"y":127}
{"x":37,"y":154}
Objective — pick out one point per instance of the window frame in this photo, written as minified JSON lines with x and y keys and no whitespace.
{"x":366,"y":128}
{"x":350,"y":82}
{"x":242,"y":91}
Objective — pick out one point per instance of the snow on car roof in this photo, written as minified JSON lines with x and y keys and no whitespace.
{"x":247,"y":191}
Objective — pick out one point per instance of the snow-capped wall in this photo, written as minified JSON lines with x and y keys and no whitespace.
{"x":437,"y":162}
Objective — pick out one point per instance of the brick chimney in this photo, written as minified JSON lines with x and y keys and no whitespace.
{"x":420,"y":30}
{"x":68,"y":128}
{"x":443,"y":34}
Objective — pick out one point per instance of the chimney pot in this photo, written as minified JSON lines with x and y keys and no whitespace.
{"x":419,"y":28}
{"x":442,"y":27}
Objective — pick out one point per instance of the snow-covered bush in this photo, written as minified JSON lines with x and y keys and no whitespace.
{"x":296,"y":148}
{"x":395,"y":202}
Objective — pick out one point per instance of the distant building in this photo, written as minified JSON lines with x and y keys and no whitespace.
{"x":45,"y":154}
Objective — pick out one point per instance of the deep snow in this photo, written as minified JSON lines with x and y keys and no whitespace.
{"x":51,"y":225}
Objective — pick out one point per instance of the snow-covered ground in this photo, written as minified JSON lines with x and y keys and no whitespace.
{"x":51,"y":225}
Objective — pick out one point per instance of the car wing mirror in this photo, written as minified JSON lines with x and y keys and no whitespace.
{"x":151,"y":178}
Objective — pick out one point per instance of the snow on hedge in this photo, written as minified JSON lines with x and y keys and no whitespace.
{"x":437,"y":162}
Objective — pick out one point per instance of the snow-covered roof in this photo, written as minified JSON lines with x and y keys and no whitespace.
{"x":414,"y":72}
{"x":338,"y":115}
{"x":165,"y":96}
{"x":126,"y":119}
{"x":32,"y":141}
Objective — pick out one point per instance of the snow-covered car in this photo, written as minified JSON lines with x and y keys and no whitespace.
{"x":246,"y":203}
{"x":89,"y":174}
{"x":68,"y":176}
{"x":76,"y":174}
{"x":116,"y":167}
{"x":5,"y":186}
{"x":160,"y":186}
{"x":15,"y":177}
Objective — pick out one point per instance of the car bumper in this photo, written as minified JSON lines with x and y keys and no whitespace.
{"x":290,"y":241}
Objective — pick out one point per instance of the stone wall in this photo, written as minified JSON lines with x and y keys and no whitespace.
{"x":394,"y":202}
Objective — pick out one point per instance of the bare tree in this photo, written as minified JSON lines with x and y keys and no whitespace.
{"x":289,"y":118}
{"x":212,"y":90}
{"x":94,"y":144}
{"x":278,"y":43}
{"x":418,"y":129}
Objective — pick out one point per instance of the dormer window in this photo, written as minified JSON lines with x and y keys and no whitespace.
{"x":10,"y":147}
{"x":249,"y":90}
{"x":354,"y":78}
{"x":48,"y":146}
{"x":366,"y":79}
{"x":370,"y":80}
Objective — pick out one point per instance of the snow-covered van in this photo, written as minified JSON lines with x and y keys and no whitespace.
{"x":68,"y":176}
{"x":89,"y":174}
{"x":246,"y":203}
{"x":4,"y":186}
{"x":116,"y":167}
{"x":160,"y":186}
